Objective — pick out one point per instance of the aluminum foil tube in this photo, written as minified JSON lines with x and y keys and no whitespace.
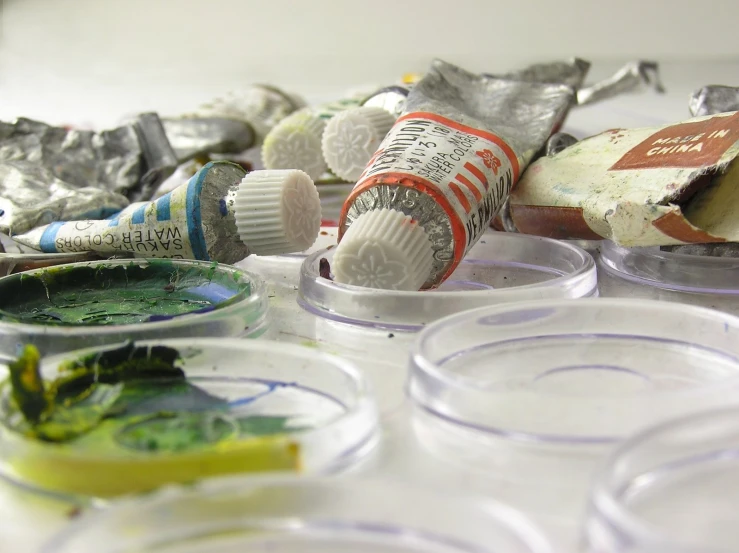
{"x":451,"y":159}
{"x":52,"y":174}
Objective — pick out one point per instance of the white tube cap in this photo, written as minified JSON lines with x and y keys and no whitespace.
{"x":277,"y":211}
{"x":352,"y":137}
{"x":384,"y":249}
{"x":295,"y":143}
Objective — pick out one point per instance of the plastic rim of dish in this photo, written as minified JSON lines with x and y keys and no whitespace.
{"x":242,"y":314}
{"x":301,"y":515}
{"x":672,"y":271}
{"x":669,"y":488}
{"x":500,"y":268}
{"x":328,"y":399}
{"x":582,"y":372}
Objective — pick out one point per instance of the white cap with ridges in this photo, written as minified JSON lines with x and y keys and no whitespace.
{"x":295,"y":143}
{"x":384,"y":249}
{"x":352,"y":137}
{"x":277,"y":211}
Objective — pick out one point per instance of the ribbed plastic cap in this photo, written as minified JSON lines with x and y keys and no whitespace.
{"x":384,"y":249}
{"x":352,"y":137}
{"x":277,"y":211}
{"x":295,"y":143}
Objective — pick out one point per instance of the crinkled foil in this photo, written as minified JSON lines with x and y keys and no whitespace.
{"x":710,"y":100}
{"x":631,"y":77}
{"x":197,"y":136}
{"x":521,"y":113}
{"x":558,"y":142}
{"x":571,"y":72}
{"x":391,"y":99}
{"x":261,"y":106}
{"x":51,"y":173}
{"x":714,"y":99}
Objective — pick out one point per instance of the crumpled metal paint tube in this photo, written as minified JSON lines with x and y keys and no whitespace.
{"x":51,"y":173}
{"x":262,"y":106}
{"x":571,"y":72}
{"x":197,"y":136}
{"x":441,"y":174}
{"x":222,"y":214}
{"x":714,"y":99}
{"x":710,"y":100}
{"x":658,"y":186}
{"x":232,"y":123}
{"x":631,"y":77}
{"x":351,"y":137}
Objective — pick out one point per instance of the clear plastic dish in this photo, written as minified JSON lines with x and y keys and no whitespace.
{"x":300,"y":515}
{"x":500,"y":268}
{"x":528,"y":398}
{"x":278,"y":407}
{"x":589,"y":371}
{"x":670,"y":488}
{"x":103,"y":302}
{"x":651,"y":273}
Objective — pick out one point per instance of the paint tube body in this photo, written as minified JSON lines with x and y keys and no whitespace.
{"x":261,"y":106}
{"x":714,"y":99}
{"x":194,"y":221}
{"x":390,"y":98}
{"x":51,"y":173}
{"x":638,"y":187}
{"x":452,"y":158}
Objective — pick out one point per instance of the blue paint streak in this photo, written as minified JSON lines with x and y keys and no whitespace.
{"x":271,"y":387}
{"x":157,"y":318}
{"x":215,"y":293}
{"x":139,"y":216}
{"x":222,"y":207}
{"x":194,"y":218}
{"x":163,"y":208}
{"x":48,"y":238}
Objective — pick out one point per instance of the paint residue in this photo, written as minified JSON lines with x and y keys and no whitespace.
{"x":115,"y":294}
{"x":136,"y":395}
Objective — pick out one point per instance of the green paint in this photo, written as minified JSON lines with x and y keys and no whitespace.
{"x":117,"y":293}
{"x":125,"y":399}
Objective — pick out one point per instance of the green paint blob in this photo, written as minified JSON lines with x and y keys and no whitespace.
{"x":95,"y":294}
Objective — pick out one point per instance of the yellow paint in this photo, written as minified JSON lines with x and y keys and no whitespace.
{"x":62,"y":468}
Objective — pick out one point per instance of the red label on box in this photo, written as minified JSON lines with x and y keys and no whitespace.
{"x":685,"y":145}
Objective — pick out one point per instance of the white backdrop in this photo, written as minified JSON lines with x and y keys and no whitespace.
{"x":84,"y":61}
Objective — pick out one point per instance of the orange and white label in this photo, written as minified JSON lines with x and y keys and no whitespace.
{"x":470,"y":171}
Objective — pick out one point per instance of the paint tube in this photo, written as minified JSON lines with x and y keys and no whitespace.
{"x":51,"y":173}
{"x":295,"y":142}
{"x":446,"y":166}
{"x":638,"y":187}
{"x":261,"y":106}
{"x":571,"y":72}
{"x":230,"y":124}
{"x":714,"y":99}
{"x":632,"y":77}
{"x":222,"y":214}
{"x":199,"y":136}
{"x":392,"y":98}
{"x":351,"y":137}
